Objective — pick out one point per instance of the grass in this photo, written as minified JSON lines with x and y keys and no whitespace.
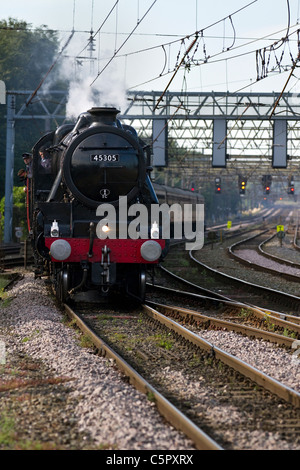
{"x":289,"y":334}
{"x":245,"y":312}
{"x":162,"y":341}
{"x":9,"y":438}
{"x":33,"y":335}
{"x":151,"y":397}
{"x":7,"y":431}
{"x":86,"y":342}
{"x":4,"y":298}
{"x":165,"y":344}
{"x":83,"y":339}
{"x":3,"y":283}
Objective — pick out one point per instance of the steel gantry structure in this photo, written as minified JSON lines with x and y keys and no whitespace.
{"x":246,"y":123}
{"x":222,"y":134}
{"x":195,"y":136}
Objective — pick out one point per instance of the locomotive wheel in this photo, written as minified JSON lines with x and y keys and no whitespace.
{"x":136,"y":283}
{"x":142,"y":285}
{"x":62,"y":285}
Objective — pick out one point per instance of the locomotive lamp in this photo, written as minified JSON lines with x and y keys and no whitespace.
{"x":54,"y":232}
{"x":105,"y":228}
{"x":154,"y":230}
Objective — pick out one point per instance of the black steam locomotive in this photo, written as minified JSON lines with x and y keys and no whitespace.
{"x":88,"y":182}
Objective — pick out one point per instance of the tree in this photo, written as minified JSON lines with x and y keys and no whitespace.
{"x":19,"y":212}
{"x":26,"y":56}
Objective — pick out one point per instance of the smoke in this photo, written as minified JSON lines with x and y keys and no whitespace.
{"x":107,"y":90}
{"x":84,"y":92}
{"x":87,"y":88}
{"x":81,"y":97}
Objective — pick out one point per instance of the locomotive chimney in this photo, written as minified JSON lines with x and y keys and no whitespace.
{"x":97,"y":116}
{"x":106,"y":116}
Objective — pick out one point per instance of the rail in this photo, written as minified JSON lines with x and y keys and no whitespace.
{"x":201,"y":440}
{"x":268,"y":383}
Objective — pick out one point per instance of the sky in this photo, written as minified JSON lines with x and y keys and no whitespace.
{"x":139,"y":44}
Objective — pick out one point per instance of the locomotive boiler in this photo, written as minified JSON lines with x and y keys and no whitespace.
{"x":89,"y":180}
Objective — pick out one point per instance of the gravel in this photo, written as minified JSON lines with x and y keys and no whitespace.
{"x":285,"y":250}
{"x":218,"y":258}
{"x":260,"y":260}
{"x":267,"y":357}
{"x":106,"y":411}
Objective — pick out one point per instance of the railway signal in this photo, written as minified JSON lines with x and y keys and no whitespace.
{"x":291,"y":189}
{"x":218,"y":188}
{"x":242,"y":184}
{"x":267,"y":181}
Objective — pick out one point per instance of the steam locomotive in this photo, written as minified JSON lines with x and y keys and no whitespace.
{"x":89,"y":180}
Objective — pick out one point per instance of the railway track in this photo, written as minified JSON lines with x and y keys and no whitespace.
{"x":251,"y":405}
{"x":230,"y":316}
{"x":263,"y":247}
{"x":7,"y":279}
{"x":172,"y":413}
{"x":220,"y":276}
{"x":253,"y":293}
{"x":287,"y":269}
{"x":15,"y":255}
{"x":239,"y":311}
{"x":160,"y":352}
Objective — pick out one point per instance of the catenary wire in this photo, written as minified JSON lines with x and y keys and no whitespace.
{"x":116,"y":52}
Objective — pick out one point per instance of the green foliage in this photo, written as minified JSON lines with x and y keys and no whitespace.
{"x":26,"y":56}
{"x":19,"y":211}
{"x":7,"y":431}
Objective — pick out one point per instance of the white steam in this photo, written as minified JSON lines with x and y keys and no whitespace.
{"x":108,"y":89}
